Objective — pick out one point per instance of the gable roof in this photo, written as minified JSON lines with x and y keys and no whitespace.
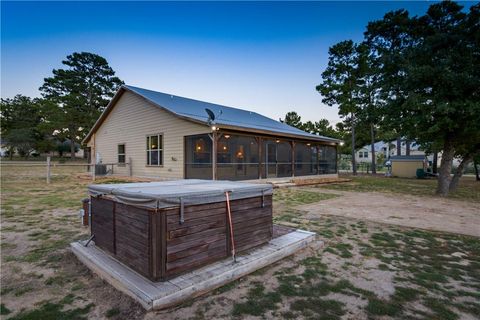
{"x":226,"y":117}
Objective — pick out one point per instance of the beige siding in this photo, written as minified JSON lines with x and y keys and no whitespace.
{"x":129,"y":122}
{"x":406,"y":169}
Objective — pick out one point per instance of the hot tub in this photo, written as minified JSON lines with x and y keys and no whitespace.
{"x":164,"y":229}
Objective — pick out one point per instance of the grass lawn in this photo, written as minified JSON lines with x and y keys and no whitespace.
{"x":468,"y":189}
{"x":364,"y":270}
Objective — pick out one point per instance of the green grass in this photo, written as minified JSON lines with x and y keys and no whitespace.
{"x":112,"y":312}
{"x":258,"y":301}
{"x":53,"y":311}
{"x":321,"y":309}
{"x":379,"y":307}
{"x":295,"y":196}
{"x":4,"y":310}
{"x":468,"y":188}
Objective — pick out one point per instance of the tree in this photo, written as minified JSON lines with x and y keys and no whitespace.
{"x":340,"y":85}
{"x":430,"y":78}
{"x":20,"y":117}
{"x":81,"y":92}
{"x":476,"y":163}
{"x":369,"y":98}
{"x":293,"y":119}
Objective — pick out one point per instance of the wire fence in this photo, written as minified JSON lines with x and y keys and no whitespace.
{"x":52,"y":170}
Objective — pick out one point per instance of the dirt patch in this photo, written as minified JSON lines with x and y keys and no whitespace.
{"x":399,"y":209}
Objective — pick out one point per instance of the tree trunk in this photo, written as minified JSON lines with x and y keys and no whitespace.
{"x":445,"y":169}
{"x":399,"y":146}
{"x":354,"y":164}
{"x":435,"y":162}
{"x":72,"y":148}
{"x":476,"y":170}
{"x":372,"y":142}
{"x":407,"y":147}
{"x":458,"y":173}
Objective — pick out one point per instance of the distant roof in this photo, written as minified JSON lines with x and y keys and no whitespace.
{"x":226,"y":117}
{"x":407,"y":158}
{"x":384,"y":144}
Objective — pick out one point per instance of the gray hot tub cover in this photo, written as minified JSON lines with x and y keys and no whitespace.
{"x":167,"y":194}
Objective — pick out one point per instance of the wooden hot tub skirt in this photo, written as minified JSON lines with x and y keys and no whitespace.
{"x":156,"y":244}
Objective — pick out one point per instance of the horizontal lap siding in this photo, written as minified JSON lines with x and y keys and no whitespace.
{"x":102,"y":223}
{"x":200,"y":239}
{"x":129,"y":122}
{"x":133,"y":237}
{"x":136,"y":238}
{"x":252,"y":225}
{"x":203,"y":236}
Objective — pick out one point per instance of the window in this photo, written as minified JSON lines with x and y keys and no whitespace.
{"x":121,"y":153}
{"x":155,"y":150}
{"x":360,"y":154}
{"x":365,"y":154}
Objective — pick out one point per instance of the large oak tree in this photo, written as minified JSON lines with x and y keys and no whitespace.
{"x":430,"y":79}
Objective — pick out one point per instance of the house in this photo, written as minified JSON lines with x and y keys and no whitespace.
{"x":172,"y":137}
{"x":387,"y":149}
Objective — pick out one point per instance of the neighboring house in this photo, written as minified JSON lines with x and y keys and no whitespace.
{"x":3,"y":148}
{"x":171,"y":137}
{"x":388,"y":149}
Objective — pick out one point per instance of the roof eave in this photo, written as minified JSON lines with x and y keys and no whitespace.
{"x":104,"y":114}
{"x":280,"y":134}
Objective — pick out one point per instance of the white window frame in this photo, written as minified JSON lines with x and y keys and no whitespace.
{"x":158,"y":149}
{"x":124,"y":154}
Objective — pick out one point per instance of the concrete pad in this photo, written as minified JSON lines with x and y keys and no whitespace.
{"x":159,"y":295}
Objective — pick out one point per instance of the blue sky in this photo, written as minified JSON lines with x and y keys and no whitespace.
{"x":265,"y":57}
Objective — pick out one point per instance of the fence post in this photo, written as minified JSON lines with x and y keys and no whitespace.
{"x":48,"y":169}
{"x":130,"y":167}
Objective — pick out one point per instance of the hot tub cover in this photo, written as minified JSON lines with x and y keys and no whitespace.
{"x":166,"y":194}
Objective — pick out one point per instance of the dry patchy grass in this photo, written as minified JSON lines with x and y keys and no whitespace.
{"x":364,"y":270}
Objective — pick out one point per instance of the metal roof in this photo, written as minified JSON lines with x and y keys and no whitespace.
{"x":408,"y":158}
{"x":226,"y":117}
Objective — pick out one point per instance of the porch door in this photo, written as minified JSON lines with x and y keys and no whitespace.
{"x":271,"y":160}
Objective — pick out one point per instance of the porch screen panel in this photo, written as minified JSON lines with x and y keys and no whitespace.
{"x":305,"y":159}
{"x":237,"y":157}
{"x":327,"y":159}
{"x":198,"y":157}
{"x":284,"y":159}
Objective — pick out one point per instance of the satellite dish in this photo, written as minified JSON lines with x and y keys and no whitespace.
{"x":211,"y":115}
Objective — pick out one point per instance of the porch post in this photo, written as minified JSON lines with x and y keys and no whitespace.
{"x":260,"y":167}
{"x":214,"y":155}
{"x":214,"y":137}
{"x":293,"y":157}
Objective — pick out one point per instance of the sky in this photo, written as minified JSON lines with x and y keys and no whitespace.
{"x":265,"y":57}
